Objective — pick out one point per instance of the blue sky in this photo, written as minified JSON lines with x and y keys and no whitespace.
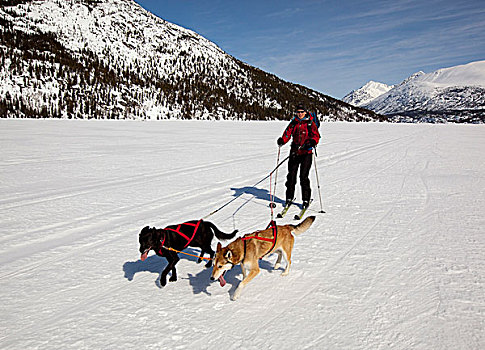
{"x":337,"y":46}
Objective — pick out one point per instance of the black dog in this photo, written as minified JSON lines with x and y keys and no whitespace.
{"x":193,"y":233}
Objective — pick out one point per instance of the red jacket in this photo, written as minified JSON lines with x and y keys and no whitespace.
{"x":301,"y":130}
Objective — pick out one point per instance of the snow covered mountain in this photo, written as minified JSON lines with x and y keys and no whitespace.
{"x":112,"y":59}
{"x":366,"y":93}
{"x":448,"y":94}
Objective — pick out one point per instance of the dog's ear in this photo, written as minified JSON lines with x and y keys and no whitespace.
{"x":228,"y":254}
{"x":219,"y":247}
{"x":156,"y":234}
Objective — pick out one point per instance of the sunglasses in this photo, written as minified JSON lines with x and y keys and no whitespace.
{"x":300,"y":111}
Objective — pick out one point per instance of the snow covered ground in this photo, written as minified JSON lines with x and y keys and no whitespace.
{"x":396,"y":262}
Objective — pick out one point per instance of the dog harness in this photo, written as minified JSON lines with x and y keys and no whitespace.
{"x":177,"y":230}
{"x":272,"y":224}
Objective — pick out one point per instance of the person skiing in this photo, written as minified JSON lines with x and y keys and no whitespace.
{"x":304,"y":131}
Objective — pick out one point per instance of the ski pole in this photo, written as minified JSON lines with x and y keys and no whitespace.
{"x":272,"y":195}
{"x":318,"y":183}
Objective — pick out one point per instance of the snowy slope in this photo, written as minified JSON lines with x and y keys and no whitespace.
{"x":396,"y":262}
{"x":459,"y":88}
{"x":101,"y":25}
{"x":366,"y":93}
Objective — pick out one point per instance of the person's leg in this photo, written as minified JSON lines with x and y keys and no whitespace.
{"x":293,"y":163}
{"x":306,"y":164}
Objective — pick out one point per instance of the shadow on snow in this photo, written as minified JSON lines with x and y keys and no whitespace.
{"x":257,"y":193}
{"x":199,"y":282}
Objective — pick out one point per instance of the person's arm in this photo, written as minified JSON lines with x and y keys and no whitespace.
{"x":315,"y":134}
{"x":287,"y":133}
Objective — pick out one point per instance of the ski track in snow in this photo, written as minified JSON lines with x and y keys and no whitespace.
{"x":396,"y":262}
{"x":26,"y":200}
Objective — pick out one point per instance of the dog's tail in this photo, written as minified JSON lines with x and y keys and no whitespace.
{"x":219,"y":234}
{"x":302,"y":226}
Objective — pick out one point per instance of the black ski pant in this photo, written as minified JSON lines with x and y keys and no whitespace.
{"x":304,"y":162}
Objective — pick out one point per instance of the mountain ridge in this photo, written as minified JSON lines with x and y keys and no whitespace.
{"x":366,"y":93}
{"x":112,"y":59}
{"x":452,"y":94}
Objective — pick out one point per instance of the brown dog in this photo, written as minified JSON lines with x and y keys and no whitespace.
{"x":247,"y":252}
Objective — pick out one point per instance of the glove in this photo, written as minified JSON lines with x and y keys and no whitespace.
{"x":310,"y":143}
{"x":280,"y":142}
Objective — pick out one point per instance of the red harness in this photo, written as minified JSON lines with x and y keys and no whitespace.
{"x":177,"y":230}
{"x":272,"y":224}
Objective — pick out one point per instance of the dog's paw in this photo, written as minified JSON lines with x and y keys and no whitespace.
{"x":209,"y":264}
{"x":285,"y":273}
{"x":237,"y":293}
{"x":277,"y":266}
{"x":173,"y":279}
{"x":163,"y":282}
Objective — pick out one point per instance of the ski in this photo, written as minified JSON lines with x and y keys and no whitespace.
{"x":303,"y":211}
{"x":284,"y":211}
